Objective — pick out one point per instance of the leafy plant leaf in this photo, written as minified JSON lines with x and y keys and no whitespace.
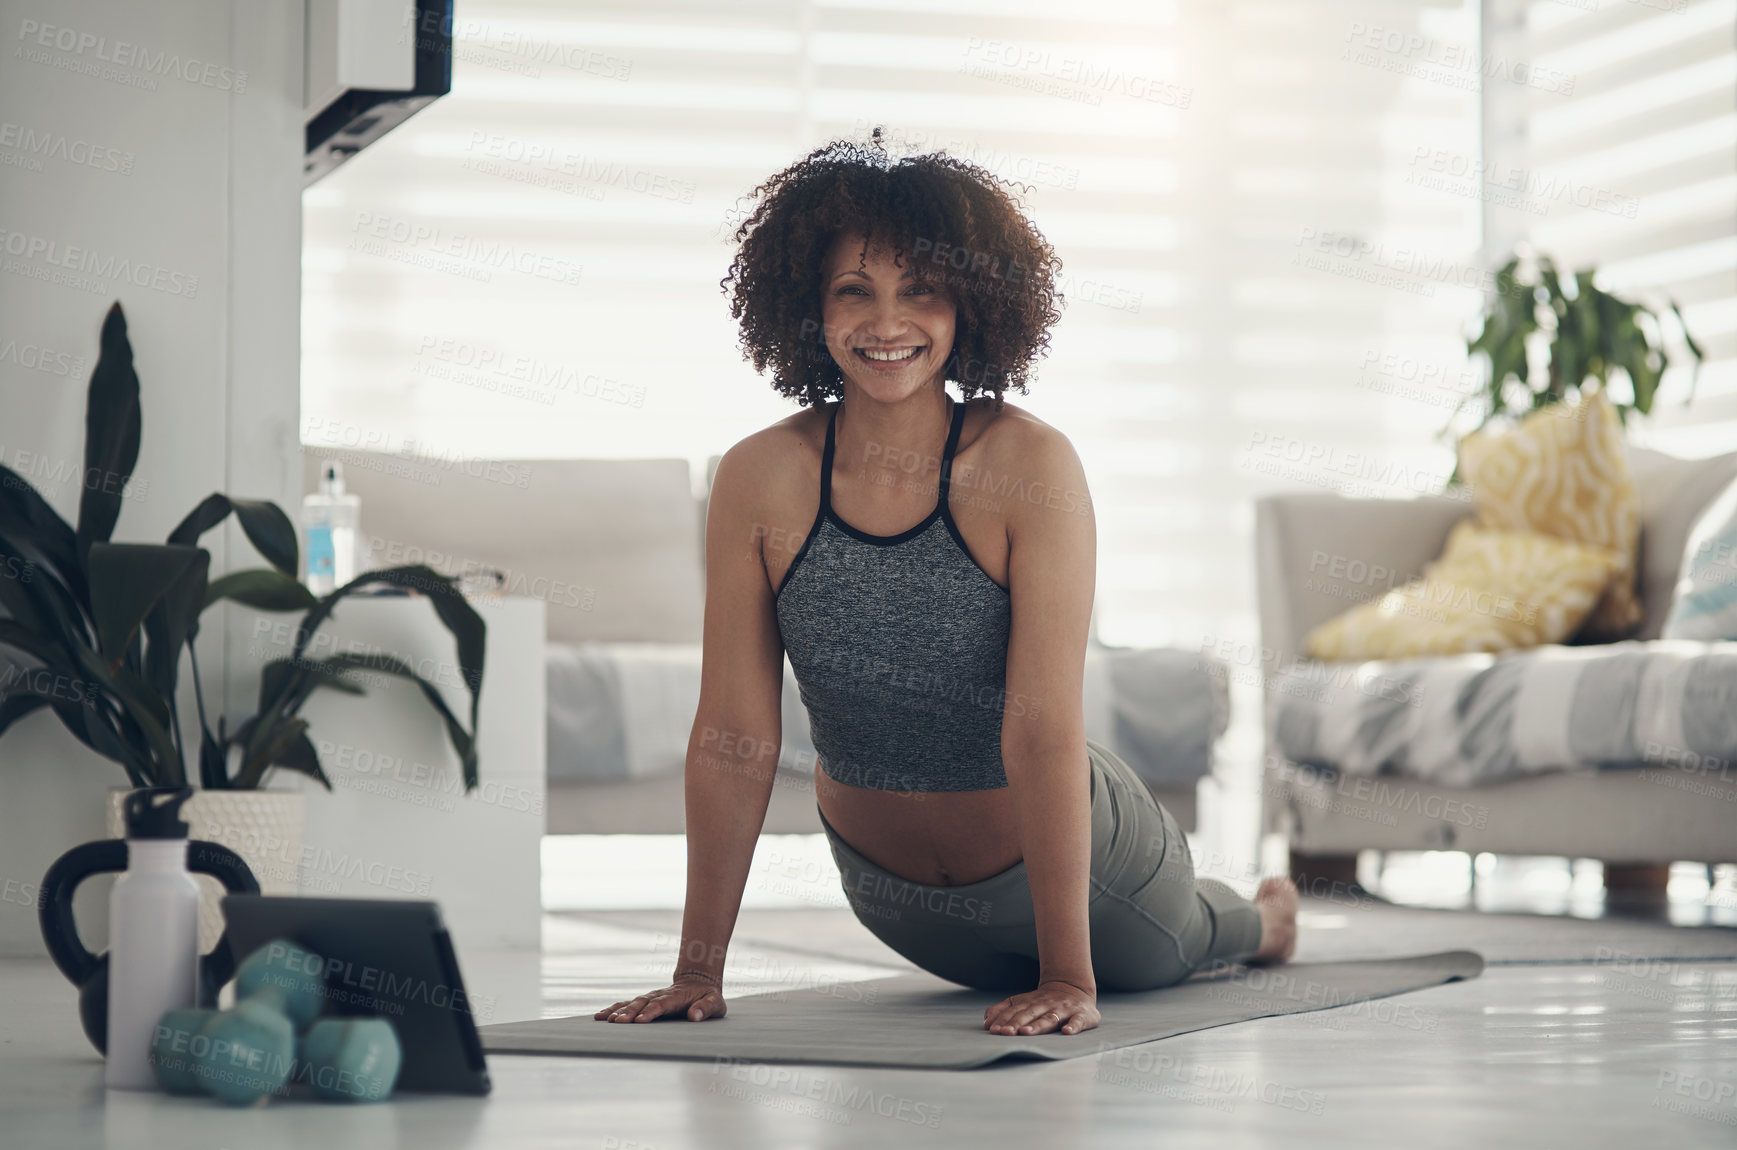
{"x":31,"y":642}
{"x":264,"y":523}
{"x":262,"y":588}
{"x":291,"y":681}
{"x":15,"y":704}
{"x":168,"y":769}
{"x":111,"y":433}
{"x":83,"y":720}
{"x":1591,"y":335}
{"x":147,"y":697}
{"x":127,"y":580}
{"x":468,"y":630}
{"x":1694,"y":350}
{"x":268,"y":750}
{"x":213,"y":764}
{"x":98,"y":731}
{"x":284,"y":685}
{"x":299,"y":755}
{"x":44,"y":604}
{"x":462,"y":741}
{"x":38,"y":532}
{"x":171,"y":624}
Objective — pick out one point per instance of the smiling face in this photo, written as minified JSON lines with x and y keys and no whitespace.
{"x":889,"y":332}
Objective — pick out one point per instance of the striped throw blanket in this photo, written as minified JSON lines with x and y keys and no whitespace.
{"x":1466,"y":719}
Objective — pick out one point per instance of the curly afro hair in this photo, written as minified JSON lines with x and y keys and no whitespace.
{"x":957,"y":224}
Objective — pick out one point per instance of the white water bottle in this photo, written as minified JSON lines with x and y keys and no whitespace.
{"x":153,"y":934}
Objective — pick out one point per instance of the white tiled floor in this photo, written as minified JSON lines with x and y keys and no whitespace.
{"x":1570,"y":1055}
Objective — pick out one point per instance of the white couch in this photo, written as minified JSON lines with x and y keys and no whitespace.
{"x":616,"y":548}
{"x":1306,"y":546}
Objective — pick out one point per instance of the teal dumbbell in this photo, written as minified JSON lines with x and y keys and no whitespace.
{"x":174,"y":1048}
{"x":349,"y":1059}
{"x":279,"y":990}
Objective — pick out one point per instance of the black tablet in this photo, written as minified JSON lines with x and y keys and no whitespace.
{"x":390,"y":958}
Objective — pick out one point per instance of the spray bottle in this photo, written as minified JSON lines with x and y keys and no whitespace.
{"x":331,"y":523}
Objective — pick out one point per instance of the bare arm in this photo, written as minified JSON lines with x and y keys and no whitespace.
{"x":733,"y":751}
{"x":1052,"y":571}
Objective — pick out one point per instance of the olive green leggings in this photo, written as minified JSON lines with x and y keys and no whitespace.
{"x":1152,"y":922}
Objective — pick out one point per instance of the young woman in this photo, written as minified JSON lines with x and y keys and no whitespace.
{"x":928,"y":565}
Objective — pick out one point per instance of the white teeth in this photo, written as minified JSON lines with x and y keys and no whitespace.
{"x":887,"y":356}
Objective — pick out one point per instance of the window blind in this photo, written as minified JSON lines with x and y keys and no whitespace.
{"x":1634,"y":170}
{"x":1268,"y":288}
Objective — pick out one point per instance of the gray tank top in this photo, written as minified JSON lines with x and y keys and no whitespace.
{"x":899,"y":644}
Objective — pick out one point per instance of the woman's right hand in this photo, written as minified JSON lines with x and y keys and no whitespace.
{"x":693,"y":999}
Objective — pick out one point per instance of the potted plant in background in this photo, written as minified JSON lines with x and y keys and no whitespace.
{"x":102,"y":627}
{"x":1584,"y":335}
{"x":1567,"y":363}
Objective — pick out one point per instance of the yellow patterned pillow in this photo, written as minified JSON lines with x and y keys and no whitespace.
{"x":1490,"y":591}
{"x":1561,"y":471}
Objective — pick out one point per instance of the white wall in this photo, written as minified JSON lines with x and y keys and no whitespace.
{"x":192,"y":111}
{"x":398,"y":822}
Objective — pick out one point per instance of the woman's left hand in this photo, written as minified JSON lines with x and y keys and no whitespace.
{"x":1052,"y":1006}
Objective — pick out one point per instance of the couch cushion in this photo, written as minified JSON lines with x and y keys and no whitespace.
{"x":1317,"y":553}
{"x":613,"y":546}
{"x":1673,"y":494}
{"x":1561,"y":471}
{"x":626,"y":711}
{"x":1490,"y":591}
{"x":1705,"y":606}
{"x":1167,"y":707}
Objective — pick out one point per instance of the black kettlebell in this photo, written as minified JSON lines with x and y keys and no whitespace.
{"x":90,"y":972}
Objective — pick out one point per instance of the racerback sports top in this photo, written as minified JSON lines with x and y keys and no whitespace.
{"x":899,"y":644}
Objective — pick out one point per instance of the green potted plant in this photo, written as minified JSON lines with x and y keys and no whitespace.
{"x":103,"y":625}
{"x":1587,"y":335}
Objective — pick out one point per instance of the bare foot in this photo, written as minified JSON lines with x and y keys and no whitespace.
{"x":1277,"y":900}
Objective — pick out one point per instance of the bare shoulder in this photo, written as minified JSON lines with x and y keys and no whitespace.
{"x":766,"y":492}
{"x":1015,"y":449}
{"x":762,"y":469}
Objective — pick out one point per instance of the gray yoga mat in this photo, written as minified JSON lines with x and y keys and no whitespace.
{"x":919,"y":1021}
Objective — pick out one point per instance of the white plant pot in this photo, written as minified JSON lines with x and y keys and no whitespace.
{"x":265,"y":828}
